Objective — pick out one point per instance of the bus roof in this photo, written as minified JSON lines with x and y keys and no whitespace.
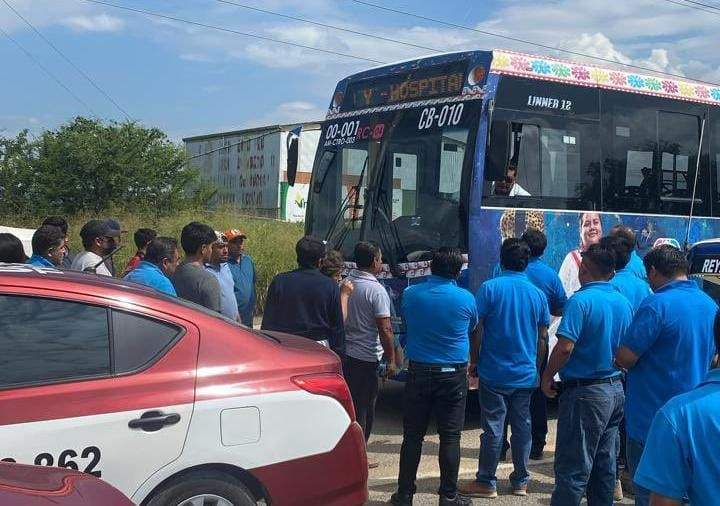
{"x":566,"y":71}
{"x":553,"y":69}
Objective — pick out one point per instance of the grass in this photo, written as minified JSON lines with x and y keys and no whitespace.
{"x":271,"y":243}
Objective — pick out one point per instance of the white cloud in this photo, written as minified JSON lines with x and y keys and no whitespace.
{"x":289,"y":112}
{"x":99,"y":23}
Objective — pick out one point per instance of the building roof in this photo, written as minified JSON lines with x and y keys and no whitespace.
{"x":313,"y":125}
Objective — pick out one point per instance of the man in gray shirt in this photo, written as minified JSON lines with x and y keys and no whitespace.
{"x":191,"y":280}
{"x":368,"y":333}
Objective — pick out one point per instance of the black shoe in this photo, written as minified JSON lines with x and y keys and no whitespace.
{"x":458,"y":500}
{"x":536,"y":453}
{"x":398,"y":499}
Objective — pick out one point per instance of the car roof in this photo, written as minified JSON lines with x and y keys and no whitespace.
{"x":86,"y":283}
{"x":32,"y":274}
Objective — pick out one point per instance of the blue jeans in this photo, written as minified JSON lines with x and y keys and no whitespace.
{"x":495,"y":405}
{"x":585,"y":452}
{"x":633,"y":453}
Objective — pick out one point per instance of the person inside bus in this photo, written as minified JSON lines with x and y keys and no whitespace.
{"x":590,"y":228}
{"x":509,"y":186}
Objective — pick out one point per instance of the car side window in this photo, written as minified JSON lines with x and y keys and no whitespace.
{"x":46,"y":340}
{"x":138,"y":340}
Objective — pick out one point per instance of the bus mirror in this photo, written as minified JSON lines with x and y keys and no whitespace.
{"x":498,"y":151}
{"x":292,"y":156}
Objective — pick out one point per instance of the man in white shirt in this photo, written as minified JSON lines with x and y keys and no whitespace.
{"x":99,"y":239}
{"x":218,"y":267}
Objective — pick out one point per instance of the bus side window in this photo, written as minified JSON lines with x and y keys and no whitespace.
{"x":632,"y":182}
{"x":678,"y":138}
{"x":715,"y":162}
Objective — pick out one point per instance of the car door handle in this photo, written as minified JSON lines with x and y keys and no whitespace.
{"x":152,"y":421}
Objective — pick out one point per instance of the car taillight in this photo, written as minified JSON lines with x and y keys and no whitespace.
{"x":329,"y":384}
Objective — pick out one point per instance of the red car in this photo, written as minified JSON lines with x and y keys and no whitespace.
{"x":22,"y":485}
{"x":167,"y":401}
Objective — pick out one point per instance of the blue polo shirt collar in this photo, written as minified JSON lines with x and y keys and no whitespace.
{"x":40,"y":261}
{"x":712,"y":377}
{"x":680,"y":283}
{"x":601,"y":285}
{"x":439,"y":280}
{"x":513,"y":274}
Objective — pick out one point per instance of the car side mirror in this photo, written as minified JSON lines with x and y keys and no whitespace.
{"x":292,"y":157}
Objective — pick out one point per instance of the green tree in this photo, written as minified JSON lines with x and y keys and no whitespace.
{"x":18,"y":157}
{"x":88,"y":165}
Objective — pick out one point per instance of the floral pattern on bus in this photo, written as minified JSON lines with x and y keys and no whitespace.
{"x":508,"y":62}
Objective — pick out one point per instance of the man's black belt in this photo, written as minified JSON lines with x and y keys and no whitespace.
{"x":422,"y":366}
{"x":573,"y":383}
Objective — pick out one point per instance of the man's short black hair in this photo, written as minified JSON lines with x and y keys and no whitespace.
{"x":46,"y":238}
{"x":536,"y":241}
{"x":601,"y":258}
{"x":309,"y":251}
{"x":622,"y":248}
{"x":514,"y":254}
{"x":143,"y":236}
{"x":57,"y":221}
{"x":11,"y":249}
{"x":667,"y":260}
{"x":159,"y":249}
{"x":194,"y":235}
{"x":626,"y":233}
{"x":447,"y":263}
{"x":365,"y":254}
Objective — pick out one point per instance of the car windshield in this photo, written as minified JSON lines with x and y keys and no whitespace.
{"x":395,"y":178}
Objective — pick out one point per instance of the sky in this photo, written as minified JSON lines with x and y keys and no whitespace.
{"x":191,"y":80}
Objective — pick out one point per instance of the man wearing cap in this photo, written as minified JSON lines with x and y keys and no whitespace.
{"x":242,"y":268}
{"x":218,"y":267}
{"x":99,"y":239}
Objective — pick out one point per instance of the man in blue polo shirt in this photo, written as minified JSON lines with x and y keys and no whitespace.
{"x":635,"y":265}
{"x":680,"y":457}
{"x":514,"y":316}
{"x":667,"y":350}
{"x":547,"y":280}
{"x":635,"y":289}
{"x":591,"y":404}
{"x":440,"y":319}
{"x":157,"y":266}
{"x":48,"y":245}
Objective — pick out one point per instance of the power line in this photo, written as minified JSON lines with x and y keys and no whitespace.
{"x":68,"y":60}
{"x":230,"y":30}
{"x":326,"y":25}
{"x":689,"y":6}
{"x":523,"y":41}
{"x":715,"y":7}
{"x":47,"y":71}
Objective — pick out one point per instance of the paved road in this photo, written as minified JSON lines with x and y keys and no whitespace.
{"x":384,"y":448}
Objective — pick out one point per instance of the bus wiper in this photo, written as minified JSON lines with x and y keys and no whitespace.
{"x":397,"y":246}
{"x":344,"y":206}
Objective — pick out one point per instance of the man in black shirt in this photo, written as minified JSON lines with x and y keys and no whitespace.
{"x":305,"y":302}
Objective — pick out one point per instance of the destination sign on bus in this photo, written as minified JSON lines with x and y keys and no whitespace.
{"x":420,"y":84}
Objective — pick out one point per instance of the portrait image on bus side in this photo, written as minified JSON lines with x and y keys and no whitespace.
{"x":413,"y":161}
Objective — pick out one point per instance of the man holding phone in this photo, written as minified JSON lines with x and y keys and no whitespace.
{"x":591,"y":403}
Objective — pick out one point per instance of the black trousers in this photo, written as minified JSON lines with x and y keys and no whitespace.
{"x":442,"y":395}
{"x":362,"y":379}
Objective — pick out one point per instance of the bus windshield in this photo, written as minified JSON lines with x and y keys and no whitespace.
{"x":396,"y":178}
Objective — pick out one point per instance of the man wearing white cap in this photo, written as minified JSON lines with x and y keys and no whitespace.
{"x":242,"y":268}
{"x":218,"y":267}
